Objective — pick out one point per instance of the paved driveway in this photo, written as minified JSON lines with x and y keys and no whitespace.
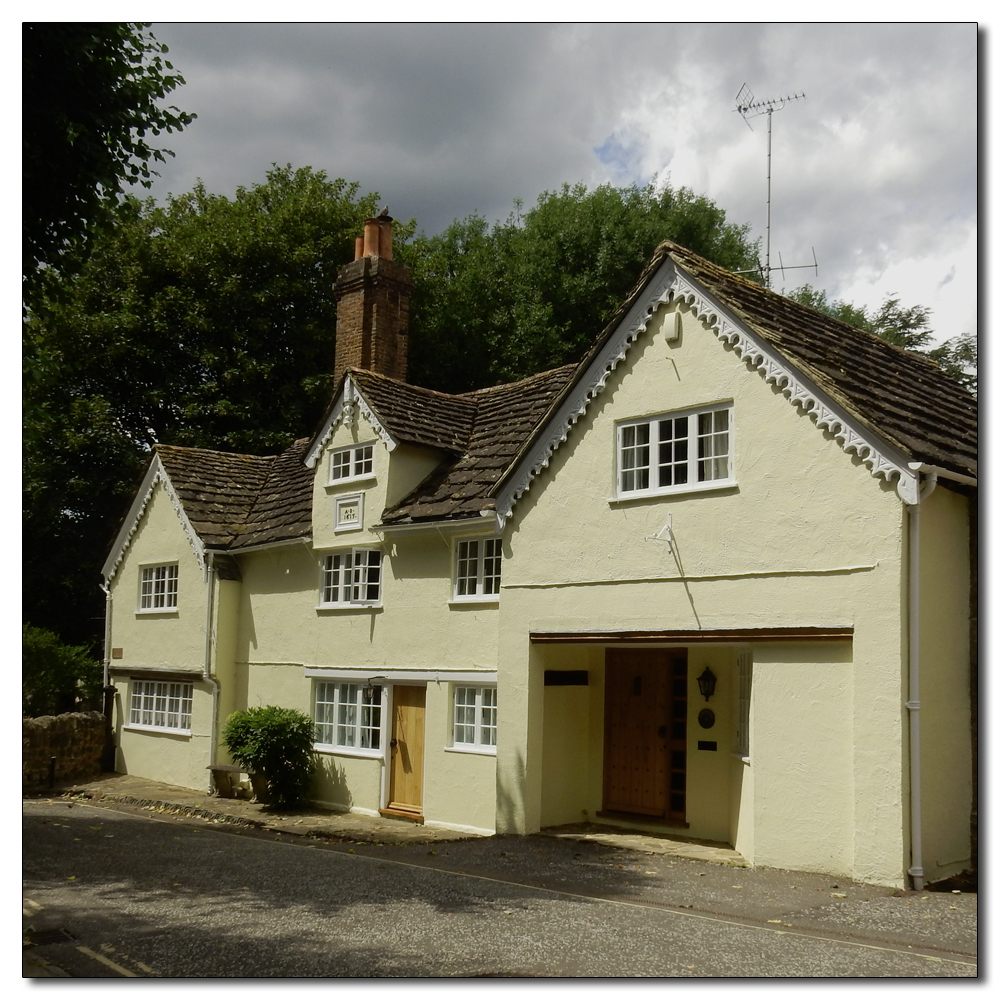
{"x":113,"y":893}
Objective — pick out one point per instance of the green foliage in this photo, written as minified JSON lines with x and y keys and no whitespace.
{"x":90,"y":95}
{"x":54,"y":675}
{"x":906,"y":328}
{"x":208,"y":322}
{"x":277,"y":743}
{"x":498,"y":303}
{"x":959,"y":357}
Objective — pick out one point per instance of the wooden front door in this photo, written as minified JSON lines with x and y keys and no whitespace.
{"x":406,"y":774}
{"x":645,"y":732}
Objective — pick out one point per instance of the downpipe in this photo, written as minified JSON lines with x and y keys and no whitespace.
{"x":916,"y":869}
{"x":207,"y":675}
{"x":108,"y":753}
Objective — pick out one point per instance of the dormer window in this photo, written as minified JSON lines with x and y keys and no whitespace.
{"x":352,"y":463}
{"x":676,"y":452}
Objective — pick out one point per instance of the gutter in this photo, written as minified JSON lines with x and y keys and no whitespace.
{"x":936,"y":472}
{"x":916,"y":869}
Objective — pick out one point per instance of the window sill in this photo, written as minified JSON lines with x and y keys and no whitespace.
{"x":161,"y":612}
{"x":136,"y":728}
{"x":463,"y":602}
{"x":478,"y":751}
{"x":351,"y":480}
{"x":348,"y":607}
{"x":739,"y":756}
{"x":674,"y":491}
{"x":348,"y":751}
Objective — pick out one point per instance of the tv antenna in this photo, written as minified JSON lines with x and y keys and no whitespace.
{"x":749,"y":107}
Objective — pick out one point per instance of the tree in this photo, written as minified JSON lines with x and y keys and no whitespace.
{"x":207,"y":322}
{"x":90,"y":96}
{"x":907,"y":328}
{"x":495,"y":303}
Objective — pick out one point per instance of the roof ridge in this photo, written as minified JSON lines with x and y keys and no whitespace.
{"x":211,"y":451}
{"x":709,"y":265}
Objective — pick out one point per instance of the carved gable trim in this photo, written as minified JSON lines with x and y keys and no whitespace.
{"x":350,"y":401}
{"x":669,"y":283}
{"x":154,"y":476}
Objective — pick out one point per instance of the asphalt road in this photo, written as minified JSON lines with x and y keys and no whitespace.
{"x":122,"y":893}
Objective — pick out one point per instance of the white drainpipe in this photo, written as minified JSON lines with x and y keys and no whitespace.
{"x":207,"y":671}
{"x":916,"y":869}
{"x":107,"y":634}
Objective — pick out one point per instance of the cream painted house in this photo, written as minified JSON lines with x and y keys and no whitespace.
{"x":717,"y":577}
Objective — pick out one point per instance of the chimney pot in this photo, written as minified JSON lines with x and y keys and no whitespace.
{"x":359,"y":247}
{"x":371,"y":236}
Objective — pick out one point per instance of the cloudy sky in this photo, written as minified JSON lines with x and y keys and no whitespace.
{"x":876,"y":168}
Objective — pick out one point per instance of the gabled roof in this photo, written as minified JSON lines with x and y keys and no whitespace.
{"x":503,"y":418}
{"x":904,"y":397}
{"x":894,"y":409}
{"x":236,"y":501}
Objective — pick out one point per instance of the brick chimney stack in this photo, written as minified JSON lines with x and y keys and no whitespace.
{"x":373,"y":305}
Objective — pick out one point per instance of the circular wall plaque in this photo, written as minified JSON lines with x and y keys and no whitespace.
{"x":706,"y":718}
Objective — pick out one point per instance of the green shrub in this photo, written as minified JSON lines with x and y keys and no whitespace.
{"x":54,"y":675}
{"x":276,"y":743}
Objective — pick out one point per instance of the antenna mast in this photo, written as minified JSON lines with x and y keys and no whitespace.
{"x":749,"y":108}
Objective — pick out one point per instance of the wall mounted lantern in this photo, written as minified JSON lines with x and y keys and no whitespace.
{"x":369,"y":689}
{"x":706,"y":683}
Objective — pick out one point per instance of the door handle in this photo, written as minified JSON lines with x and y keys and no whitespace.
{"x":393,"y":743}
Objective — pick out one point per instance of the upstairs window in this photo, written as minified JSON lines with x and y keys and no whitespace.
{"x":352,"y":577}
{"x":676,"y":452}
{"x":477,"y":569}
{"x":158,"y":588}
{"x":347,"y":716}
{"x":475,"y":718}
{"x":352,"y":463}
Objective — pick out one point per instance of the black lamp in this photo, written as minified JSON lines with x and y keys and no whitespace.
{"x":706,"y":683}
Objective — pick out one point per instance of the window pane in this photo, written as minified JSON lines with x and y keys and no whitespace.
{"x":340,"y":464}
{"x":324,"y":713}
{"x":466,"y":571}
{"x":492,"y":555}
{"x":347,"y":715}
{"x":634,"y":458}
{"x":363,"y":462}
{"x":673,"y":457}
{"x":713,"y":445}
{"x":371,"y":719}
{"x":465,"y":715}
{"x":488,"y":717}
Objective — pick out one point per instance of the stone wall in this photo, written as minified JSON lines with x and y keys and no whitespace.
{"x":75,"y":740}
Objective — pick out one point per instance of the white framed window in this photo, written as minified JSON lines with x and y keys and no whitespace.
{"x":351,"y":577}
{"x":477,"y":569}
{"x":474,"y":725}
{"x":356,"y":462}
{"x":744,"y":667}
{"x":348,"y":512}
{"x":347,"y":716}
{"x":158,"y":588}
{"x":676,"y":452}
{"x":160,"y":705}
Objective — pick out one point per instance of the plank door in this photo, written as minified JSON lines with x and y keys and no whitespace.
{"x":406,"y":775}
{"x":645,"y":732}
